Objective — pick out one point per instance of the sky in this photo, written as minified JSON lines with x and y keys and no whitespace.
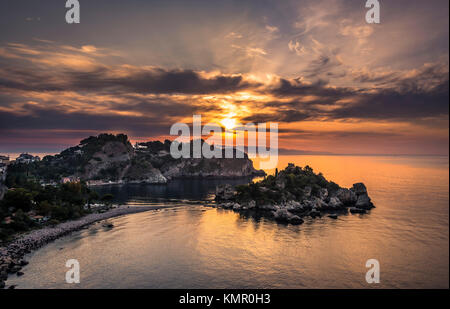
{"x":332,"y":82}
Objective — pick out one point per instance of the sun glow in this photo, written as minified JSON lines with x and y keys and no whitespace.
{"x":228,"y":123}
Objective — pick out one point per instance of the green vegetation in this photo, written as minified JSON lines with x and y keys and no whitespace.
{"x":112,"y":172}
{"x":285,"y":185}
{"x":72,"y":161}
{"x":31,"y":205}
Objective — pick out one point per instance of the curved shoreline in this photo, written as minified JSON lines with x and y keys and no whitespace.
{"x":11,"y":256}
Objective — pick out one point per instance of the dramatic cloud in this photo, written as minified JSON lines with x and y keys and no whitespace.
{"x":333,"y":82}
{"x":124,"y":78}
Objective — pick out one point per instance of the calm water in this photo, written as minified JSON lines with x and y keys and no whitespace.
{"x":187,"y":245}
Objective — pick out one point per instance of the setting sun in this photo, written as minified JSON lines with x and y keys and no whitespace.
{"x":228,"y":123}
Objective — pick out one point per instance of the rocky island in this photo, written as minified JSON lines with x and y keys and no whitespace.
{"x":292,"y":194}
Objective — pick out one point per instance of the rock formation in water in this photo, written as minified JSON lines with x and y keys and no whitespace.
{"x":111,"y":158}
{"x":292,"y":194}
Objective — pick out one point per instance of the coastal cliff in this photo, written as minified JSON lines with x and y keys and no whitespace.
{"x":107,"y":158}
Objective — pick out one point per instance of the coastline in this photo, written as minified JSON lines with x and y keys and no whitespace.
{"x":11,"y":256}
{"x":100,"y":183}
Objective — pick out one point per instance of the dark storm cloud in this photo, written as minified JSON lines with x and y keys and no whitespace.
{"x":391,"y":104}
{"x":280,"y":116}
{"x":295,"y":87}
{"x":410,"y":98}
{"x":41,"y":118}
{"x":429,"y":74}
{"x":422,"y":95}
{"x":385,"y":104}
{"x":162,"y":105}
{"x":129,"y":80}
{"x":158,"y":80}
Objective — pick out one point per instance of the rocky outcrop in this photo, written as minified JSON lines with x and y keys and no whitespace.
{"x":362,"y":198}
{"x":107,"y":159}
{"x":346,"y":196}
{"x":210,"y":168}
{"x":295,"y":193}
{"x":283,"y":215}
{"x":225,"y":192}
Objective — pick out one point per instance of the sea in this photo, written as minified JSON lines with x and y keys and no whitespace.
{"x":188,"y":244}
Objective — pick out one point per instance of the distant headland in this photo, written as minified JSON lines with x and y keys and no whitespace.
{"x":112,"y":159}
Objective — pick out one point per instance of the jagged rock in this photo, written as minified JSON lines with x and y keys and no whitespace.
{"x":251,"y":204}
{"x":151,"y":178}
{"x":236,"y":206}
{"x":226,"y":205}
{"x":23,"y":263}
{"x":19,"y":273}
{"x":335,"y":203}
{"x":268,"y":207}
{"x":359,"y":188}
{"x":355,"y":210}
{"x":333,"y":216}
{"x":314,"y":213}
{"x":323,"y":193}
{"x":319,"y":204}
{"x":346,"y":196}
{"x":224,"y":192}
{"x":308,"y":205}
{"x":282,"y":215}
{"x":364,"y":202}
{"x":294,"y":206}
{"x":296,"y":220}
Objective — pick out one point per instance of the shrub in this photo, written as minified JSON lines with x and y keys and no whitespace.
{"x":18,"y":198}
